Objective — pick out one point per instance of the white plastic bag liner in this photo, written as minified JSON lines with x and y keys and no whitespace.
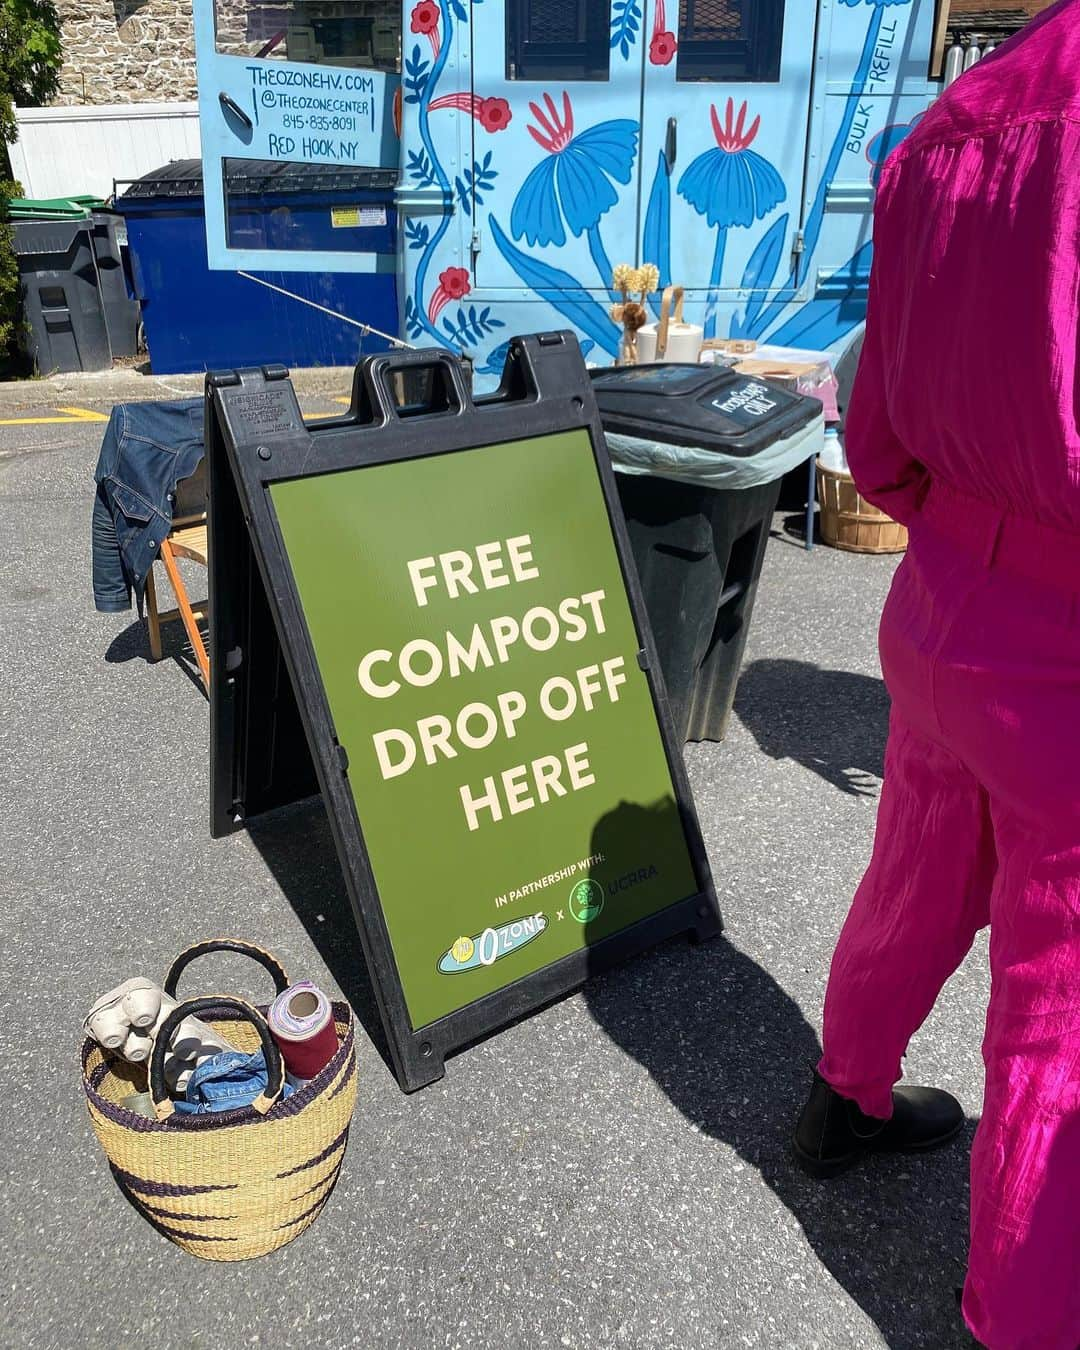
{"x":712,"y":468}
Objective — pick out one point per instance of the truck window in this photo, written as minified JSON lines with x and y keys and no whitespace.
{"x":557,"y":39}
{"x":728,"y":40}
{"x":355,"y":33}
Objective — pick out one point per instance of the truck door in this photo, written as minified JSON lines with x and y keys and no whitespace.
{"x":664,"y":131}
{"x":556,"y":206}
{"x":725,"y":111}
{"x":296,"y":82}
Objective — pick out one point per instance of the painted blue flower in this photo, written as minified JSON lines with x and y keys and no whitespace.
{"x":495,"y":361}
{"x":881,"y":145}
{"x":732,"y":185}
{"x":878,"y":4}
{"x":575,"y":183}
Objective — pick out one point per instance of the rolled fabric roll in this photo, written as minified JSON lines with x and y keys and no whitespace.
{"x":302,"y":1025}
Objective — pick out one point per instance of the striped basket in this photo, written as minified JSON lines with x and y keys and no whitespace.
{"x":232,"y":1184}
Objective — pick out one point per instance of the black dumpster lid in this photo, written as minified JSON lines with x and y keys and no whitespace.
{"x":184,"y":178}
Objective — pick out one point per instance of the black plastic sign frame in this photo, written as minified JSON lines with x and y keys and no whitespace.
{"x":273,"y":738}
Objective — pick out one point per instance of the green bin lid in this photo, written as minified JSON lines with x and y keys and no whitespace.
{"x":51,"y":208}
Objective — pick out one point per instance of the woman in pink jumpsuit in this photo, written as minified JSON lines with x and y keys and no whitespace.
{"x":965,"y":425}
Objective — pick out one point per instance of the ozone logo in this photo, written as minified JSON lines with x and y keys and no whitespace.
{"x":467,"y":953}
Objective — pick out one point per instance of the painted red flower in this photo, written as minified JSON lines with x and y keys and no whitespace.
{"x":493,"y":114}
{"x":455,"y":282}
{"x":663,"y":45}
{"x":453,"y":285}
{"x":662,"y":48}
{"x":555,"y":133}
{"x":425,"y":17}
{"x":734,"y":135}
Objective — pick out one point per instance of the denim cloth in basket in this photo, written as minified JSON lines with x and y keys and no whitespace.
{"x":226,"y":1082}
{"x":148,"y":449}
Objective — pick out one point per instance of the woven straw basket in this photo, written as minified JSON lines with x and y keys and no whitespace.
{"x":848,"y":520}
{"x":229,"y":1185}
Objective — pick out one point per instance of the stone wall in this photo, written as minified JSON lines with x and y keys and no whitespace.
{"x":126,"y":51}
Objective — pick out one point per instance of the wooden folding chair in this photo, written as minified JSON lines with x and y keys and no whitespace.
{"x":186,"y":539}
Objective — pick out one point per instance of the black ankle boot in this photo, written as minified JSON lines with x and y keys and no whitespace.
{"x":833,"y":1134}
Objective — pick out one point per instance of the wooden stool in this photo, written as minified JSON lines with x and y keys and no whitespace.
{"x":186,"y":539}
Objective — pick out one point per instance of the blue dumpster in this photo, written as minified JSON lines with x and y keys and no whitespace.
{"x":196,"y":319}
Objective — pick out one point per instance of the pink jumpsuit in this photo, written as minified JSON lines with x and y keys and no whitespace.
{"x":965,"y":424}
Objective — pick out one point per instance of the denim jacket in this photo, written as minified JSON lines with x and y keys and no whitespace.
{"x":148,"y":448}
{"x":225,"y":1082}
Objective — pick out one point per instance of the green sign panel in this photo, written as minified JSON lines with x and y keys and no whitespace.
{"x":475,"y":643}
{"x":427,"y":612}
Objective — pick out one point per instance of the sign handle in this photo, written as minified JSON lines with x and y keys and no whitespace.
{"x":400,"y":390}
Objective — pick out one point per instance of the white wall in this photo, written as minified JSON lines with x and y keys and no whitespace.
{"x":81,"y":150}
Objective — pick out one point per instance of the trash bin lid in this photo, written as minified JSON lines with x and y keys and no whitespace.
{"x":51,"y":208}
{"x":184,"y":178}
{"x":704,"y":407}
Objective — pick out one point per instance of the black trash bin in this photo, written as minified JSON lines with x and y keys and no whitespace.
{"x":699,"y":453}
{"x":61,"y":301}
{"x":121,"y":310}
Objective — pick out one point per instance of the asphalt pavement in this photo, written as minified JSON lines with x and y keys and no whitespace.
{"x":610,"y":1172}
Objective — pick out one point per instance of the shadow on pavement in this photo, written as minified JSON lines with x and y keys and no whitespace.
{"x":831,"y":721}
{"x":791,"y":531}
{"x":133,"y":645}
{"x":734,"y":1053}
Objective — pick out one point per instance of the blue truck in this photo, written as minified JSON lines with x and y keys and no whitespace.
{"x":539,"y":143}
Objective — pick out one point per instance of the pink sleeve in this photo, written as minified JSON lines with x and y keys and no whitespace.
{"x":885,"y":472}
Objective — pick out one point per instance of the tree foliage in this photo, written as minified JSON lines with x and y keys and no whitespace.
{"x":29,"y":58}
{"x":29,"y":76}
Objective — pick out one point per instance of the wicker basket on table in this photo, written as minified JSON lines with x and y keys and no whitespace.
{"x":850,"y":522}
{"x":228,"y":1185}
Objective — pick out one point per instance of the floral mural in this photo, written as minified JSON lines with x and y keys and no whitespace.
{"x":547,"y":214}
{"x":767,"y":314}
{"x":625,"y":26}
{"x":575,"y":184}
{"x":880,"y":146}
{"x":730,"y":186}
{"x":435,"y":19}
{"x":663,"y":46}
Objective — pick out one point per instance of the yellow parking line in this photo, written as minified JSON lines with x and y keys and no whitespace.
{"x":85,"y":415}
{"x":72,"y":417}
{"x":312,"y":417}
{"x":35,"y":421}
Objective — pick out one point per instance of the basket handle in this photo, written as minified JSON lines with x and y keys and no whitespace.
{"x":268,"y":962}
{"x":275,"y":1069}
{"x":671,"y":294}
